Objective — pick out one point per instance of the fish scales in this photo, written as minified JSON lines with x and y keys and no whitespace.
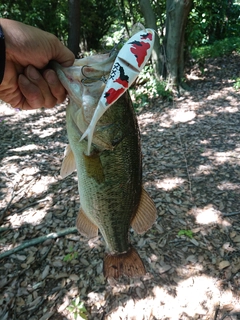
{"x":109,"y":202}
{"x":110,"y":177}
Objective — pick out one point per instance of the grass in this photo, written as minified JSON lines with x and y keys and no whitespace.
{"x":77,"y":309}
{"x":70,"y":256}
{"x":217,"y":49}
{"x":237,"y":84}
{"x":151,"y":88}
{"x":187,"y":233}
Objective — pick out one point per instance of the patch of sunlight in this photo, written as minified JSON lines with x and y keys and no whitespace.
{"x":12,"y":167}
{"x":202,"y":169}
{"x":42,"y":185}
{"x":209,"y":215}
{"x":214,"y":96}
{"x":170,"y":183}
{"x":26,"y":148}
{"x":226,"y":185}
{"x":30,"y":215}
{"x":232,"y":156}
{"x":231,"y":109}
{"x":188,"y":298}
{"x":207,"y":153}
{"x":147,"y":117}
{"x":47,"y":132}
{"x":29,"y":171}
{"x":204,"y":142}
{"x":182,"y":116}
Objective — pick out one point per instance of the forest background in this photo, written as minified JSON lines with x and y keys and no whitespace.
{"x":185,"y":29}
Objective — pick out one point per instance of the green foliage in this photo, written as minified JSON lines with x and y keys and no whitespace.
{"x":78,"y":309}
{"x":2,"y":120}
{"x":212,"y":20}
{"x":148,"y":87}
{"x":187,"y":233}
{"x":96,"y":18}
{"x":70,"y":256}
{"x":217,"y":49}
{"x":47,"y":15}
{"x":237,"y":84}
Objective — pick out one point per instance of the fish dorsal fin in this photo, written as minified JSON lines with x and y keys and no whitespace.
{"x":146,"y":214}
{"x":85,"y":226}
{"x":68,"y":164}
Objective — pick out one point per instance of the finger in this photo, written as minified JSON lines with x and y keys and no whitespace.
{"x":57,"y":90}
{"x":62,"y":54}
{"x":37,"y":79}
{"x":32,"y":95}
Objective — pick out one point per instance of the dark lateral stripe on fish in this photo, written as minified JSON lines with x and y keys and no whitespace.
{"x":128,"y":263}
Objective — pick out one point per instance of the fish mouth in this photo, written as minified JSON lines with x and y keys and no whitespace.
{"x":84,"y":72}
{"x":69,"y":79}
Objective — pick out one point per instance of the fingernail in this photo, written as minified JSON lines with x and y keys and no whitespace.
{"x":24,"y":80}
{"x":50,"y":77}
{"x":33,"y":73}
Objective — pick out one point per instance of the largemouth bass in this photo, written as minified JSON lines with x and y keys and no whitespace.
{"x":110,"y":177}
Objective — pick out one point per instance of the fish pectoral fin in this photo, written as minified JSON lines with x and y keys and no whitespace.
{"x":146,"y":214}
{"x":68,"y":164}
{"x":128,"y":263}
{"x":85,"y":226}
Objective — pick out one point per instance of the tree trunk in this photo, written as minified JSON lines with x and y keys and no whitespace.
{"x":74,"y":26}
{"x":124,"y":17}
{"x":150,"y":22}
{"x":177,"y":14}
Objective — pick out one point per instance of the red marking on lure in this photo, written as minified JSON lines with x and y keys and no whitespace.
{"x":112,"y":95}
{"x":139,"y":49}
{"x":128,"y":64}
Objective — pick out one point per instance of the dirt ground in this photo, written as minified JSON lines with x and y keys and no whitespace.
{"x":191,"y":168}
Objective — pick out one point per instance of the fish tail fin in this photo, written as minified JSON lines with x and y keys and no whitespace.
{"x":128,"y":263}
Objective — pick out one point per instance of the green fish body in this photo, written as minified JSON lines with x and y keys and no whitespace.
{"x":110,"y":178}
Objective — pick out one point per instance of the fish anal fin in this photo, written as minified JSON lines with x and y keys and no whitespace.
{"x":128,"y":263}
{"x":146,"y":214}
{"x":68,"y":164}
{"x":86,"y":227}
{"x":94,"y":167}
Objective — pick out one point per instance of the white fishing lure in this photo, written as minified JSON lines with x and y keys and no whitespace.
{"x":129,"y":62}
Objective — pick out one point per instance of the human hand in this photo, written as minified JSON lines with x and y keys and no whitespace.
{"x":25,"y":84}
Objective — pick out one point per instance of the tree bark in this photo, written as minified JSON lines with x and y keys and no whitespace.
{"x":74,"y":26}
{"x":150,"y":22}
{"x":177,"y":14}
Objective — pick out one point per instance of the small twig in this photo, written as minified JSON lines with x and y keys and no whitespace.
{"x":13,"y":195}
{"x":46,"y":253}
{"x":186,"y":165}
{"x":230,"y":214}
{"x":216,"y":312}
{"x":31,"y":204}
{"x":32,"y":242}
{"x":8,"y":205}
{"x":3,"y":229}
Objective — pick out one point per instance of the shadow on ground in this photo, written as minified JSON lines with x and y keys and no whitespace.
{"x":191,"y":165}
